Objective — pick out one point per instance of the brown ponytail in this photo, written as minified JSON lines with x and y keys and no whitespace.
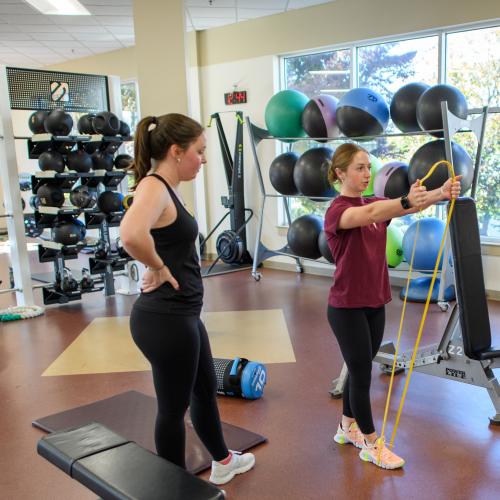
{"x":342,"y":158}
{"x":154,"y":136}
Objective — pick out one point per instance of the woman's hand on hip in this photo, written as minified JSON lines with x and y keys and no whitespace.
{"x":154,"y":278}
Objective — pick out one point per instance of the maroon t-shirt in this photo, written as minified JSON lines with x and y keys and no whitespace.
{"x":361,"y":278}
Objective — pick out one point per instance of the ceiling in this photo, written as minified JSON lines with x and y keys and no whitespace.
{"x":31,"y":39}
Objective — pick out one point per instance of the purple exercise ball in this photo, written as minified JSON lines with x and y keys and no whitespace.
{"x":391,"y":181}
{"x":318,"y":117}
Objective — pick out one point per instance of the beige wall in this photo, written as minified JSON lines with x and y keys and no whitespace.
{"x":121,"y":63}
{"x":341,"y":21}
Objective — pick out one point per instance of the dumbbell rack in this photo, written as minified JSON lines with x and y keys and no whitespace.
{"x":451,"y":125}
{"x":47,"y":217}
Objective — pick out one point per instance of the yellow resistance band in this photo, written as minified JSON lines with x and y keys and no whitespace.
{"x":424,"y":315}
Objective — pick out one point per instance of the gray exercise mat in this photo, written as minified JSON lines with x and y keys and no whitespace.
{"x":132,"y":415}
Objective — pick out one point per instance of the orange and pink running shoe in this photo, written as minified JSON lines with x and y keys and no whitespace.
{"x":380,"y":455}
{"x":352,"y":435}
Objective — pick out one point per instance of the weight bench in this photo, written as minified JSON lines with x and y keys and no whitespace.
{"x":115,"y":468}
{"x":465,"y":353}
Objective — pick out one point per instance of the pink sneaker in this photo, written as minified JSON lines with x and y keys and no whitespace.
{"x":380,"y":455}
{"x":353,"y":435}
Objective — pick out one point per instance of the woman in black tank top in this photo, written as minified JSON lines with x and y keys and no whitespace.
{"x":165,"y":321}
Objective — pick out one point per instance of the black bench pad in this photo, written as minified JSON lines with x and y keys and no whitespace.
{"x":115,"y":468}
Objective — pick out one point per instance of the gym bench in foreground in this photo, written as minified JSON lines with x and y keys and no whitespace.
{"x":115,"y":468}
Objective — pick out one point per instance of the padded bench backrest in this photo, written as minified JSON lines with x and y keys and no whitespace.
{"x":471,"y":294}
{"x":117,"y":469}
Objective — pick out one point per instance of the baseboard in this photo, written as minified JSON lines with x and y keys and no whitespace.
{"x":326,"y":270}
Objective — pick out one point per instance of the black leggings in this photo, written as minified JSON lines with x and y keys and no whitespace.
{"x":359,"y":333}
{"x":183,"y":373}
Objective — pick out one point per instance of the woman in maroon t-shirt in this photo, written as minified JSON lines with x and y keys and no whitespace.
{"x":355,"y":228}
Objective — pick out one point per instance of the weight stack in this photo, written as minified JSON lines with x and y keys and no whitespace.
{"x":240,"y":377}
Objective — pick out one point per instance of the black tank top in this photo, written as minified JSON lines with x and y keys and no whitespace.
{"x":175,"y":244}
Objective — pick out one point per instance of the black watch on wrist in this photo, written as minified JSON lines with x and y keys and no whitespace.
{"x":405,"y":202}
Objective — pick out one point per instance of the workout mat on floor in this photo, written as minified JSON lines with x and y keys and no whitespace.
{"x":132,"y":415}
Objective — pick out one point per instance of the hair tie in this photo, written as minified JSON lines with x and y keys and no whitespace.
{"x":153,"y":124}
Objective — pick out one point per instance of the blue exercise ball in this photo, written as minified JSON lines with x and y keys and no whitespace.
{"x":362,"y":112}
{"x":430,"y":234}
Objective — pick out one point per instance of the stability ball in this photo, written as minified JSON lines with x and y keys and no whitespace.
{"x":324,"y":248}
{"x":430,"y":233}
{"x":391,"y":181}
{"x":404,"y":106}
{"x":318,"y":117}
{"x":311,"y":173}
{"x":429,"y":115}
{"x":281,"y":173}
{"x":434,"y":151}
{"x":376,"y":165}
{"x":362,"y":112}
{"x":394,"y":246}
{"x":303,"y":236}
{"x":283,"y":114}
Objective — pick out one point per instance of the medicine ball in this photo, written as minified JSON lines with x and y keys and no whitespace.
{"x":311,"y":173}
{"x":106,"y":123}
{"x":110,"y":201}
{"x":281,"y":173}
{"x":123,"y":161}
{"x":79,"y":161}
{"x":362,"y":112}
{"x":85,"y":124}
{"x":102,"y":161}
{"x":51,"y":160}
{"x":434,"y":151}
{"x":318,"y":117}
{"x":81,"y":197}
{"x":283,"y":114}
{"x":67,"y":233}
{"x":404,"y":106}
{"x":34,"y":201}
{"x":391,"y":181}
{"x":429,"y":115}
{"x":81,"y":225}
{"x":36,"y":122}
{"x":58,"y":122}
{"x":127,"y":201}
{"x":324,"y":248}
{"x":124,"y":129}
{"x":50,"y":196}
{"x":303,"y":236}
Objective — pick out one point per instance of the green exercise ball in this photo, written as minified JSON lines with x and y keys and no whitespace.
{"x":284,"y":114}
{"x":376,"y":166}
{"x":394,"y":246}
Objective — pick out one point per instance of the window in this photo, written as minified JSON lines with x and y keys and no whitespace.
{"x":473,"y":66}
{"x":130,"y":115}
{"x":472,"y":62}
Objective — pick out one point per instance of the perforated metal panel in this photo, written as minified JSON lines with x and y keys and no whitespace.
{"x":47,"y":90}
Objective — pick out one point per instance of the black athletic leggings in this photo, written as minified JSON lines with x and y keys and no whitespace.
{"x":359,"y":333}
{"x":183,"y":373}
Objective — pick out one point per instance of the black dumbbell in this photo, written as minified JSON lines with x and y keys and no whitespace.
{"x":102,"y":250}
{"x":68,"y":283}
{"x":87,"y":282}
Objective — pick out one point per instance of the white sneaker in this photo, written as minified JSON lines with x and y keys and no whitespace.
{"x":222,"y":474}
